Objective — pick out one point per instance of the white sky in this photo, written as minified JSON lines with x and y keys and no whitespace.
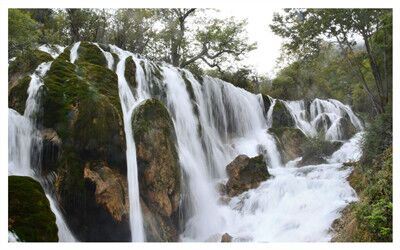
{"x":268,"y":44}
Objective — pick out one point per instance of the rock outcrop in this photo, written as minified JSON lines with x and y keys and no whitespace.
{"x":29,"y":213}
{"x":289,"y":141}
{"x":245,"y":173}
{"x":159,"y":170}
{"x":281,"y":116}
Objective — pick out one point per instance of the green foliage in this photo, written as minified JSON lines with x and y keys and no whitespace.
{"x":22,"y":32}
{"x":374,"y":211}
{"x":379,"y":136}
{"x":29,"y":213}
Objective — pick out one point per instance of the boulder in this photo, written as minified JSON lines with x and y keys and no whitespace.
{"x":347,"y":128}
{"x":323,"y":123}
{"x":18,"y":93}
{"x":158,"y":166}
{"x":226,"y":238}
{"x":289,"y":141}
{"x":245,"y":173}
{"x":281,"y":116}
{"x":29,"y":213}
{"x":267,"y":103}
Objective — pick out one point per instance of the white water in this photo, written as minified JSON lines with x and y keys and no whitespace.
{"x":74,"y":52}
{"x":54,"y":51}
{"x":326,"y":112}
{"x":128,"y":102}
{"x":24,"y":141}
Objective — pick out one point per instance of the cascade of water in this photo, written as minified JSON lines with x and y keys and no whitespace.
{"x":109,"y":57}
{"x":54,"y":51}
{"x":325,"y":114}
{"x":25,"y":142}
{"x":74,"y":52}
{"x":129,"y":102}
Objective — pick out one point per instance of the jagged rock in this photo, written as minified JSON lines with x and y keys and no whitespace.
{"x":226,"y":238}
{"x":289,"y":140}
{"x":158,"y":165}
{"x":111,"y":189}
{"x":18,"y":94}
{"x":281,"y":116}
{"x":245,"y":173}
{"x":29,"y":213}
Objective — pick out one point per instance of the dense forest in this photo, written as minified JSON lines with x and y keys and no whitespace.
{"x":342,"y":54}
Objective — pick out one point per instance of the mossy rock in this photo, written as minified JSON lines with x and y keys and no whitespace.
{"x":26,"y":63}
{"x":245,"y":173}
{"x":281,"y":116}
{"x":89,"y":52}
{"x":18,"y":94}
{"x":289,"y":141}
{"x":29,"y":213}
{"x":158,"y":164}
{"x":130,"y":73}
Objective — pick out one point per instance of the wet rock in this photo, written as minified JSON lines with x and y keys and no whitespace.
{"x":323,"y":123}
{"x":267,"y":103}
{"x":289,"y":142}
{"x":111,"y":189}
{"x":51,"y":150}
{"x":226,"y":238}
{"x":158,"y":166}
{"x":347,"y":128}
{"x":29,"y":213}
{"x":130,"y":73}
{"x":245,"y":173}
{"x":17,"y":94}
{"x":281,"y":116}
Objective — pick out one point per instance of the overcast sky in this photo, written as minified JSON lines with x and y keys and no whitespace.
{"x":268,"y":44}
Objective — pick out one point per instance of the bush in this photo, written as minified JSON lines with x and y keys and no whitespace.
{"x":378,"y":136}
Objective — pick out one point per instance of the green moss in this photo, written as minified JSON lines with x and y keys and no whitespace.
{"x":88,"y":52}
{"x":27,"y":62}
{"x":18,"y":94}
{"x":281,"y":117}
{"x":30,"y":216}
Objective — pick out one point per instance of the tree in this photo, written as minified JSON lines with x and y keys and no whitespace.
{"x":306,"y":28}
{"x":208,"y":40}
{"x":22,"y":32}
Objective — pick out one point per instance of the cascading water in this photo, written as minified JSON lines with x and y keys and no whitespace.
{"x":128,"y":102}
{"x":25,"y":145}
{"x":327,"y":114}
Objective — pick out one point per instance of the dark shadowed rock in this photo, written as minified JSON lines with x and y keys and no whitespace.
{"x":245,"y":173}
{"x":281,"y":116}
{"x":226,"y":238}
{"x":347,"y":128}
{"x":289,"y":141}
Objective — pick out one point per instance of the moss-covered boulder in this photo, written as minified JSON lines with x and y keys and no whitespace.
{"x":158,"y":167}
{"x":18,"y":93}
{"x":316,"y":150}
{"x":81,"y":104}
{"x":90,"y":53}
{"x":29,"y":213}
{"x":281,"y":116}
{"x":25,"y":64}
{"x":289,"y":141}
{"x":51,"y":150}
{"x":245,"y":173}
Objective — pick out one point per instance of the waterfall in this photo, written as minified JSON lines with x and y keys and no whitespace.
{"x":128,"y":104}
{"x":326,"y":112}
{"x":214,"y":122}
{"x":25,"y":145}
{"x":74,"y":52}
